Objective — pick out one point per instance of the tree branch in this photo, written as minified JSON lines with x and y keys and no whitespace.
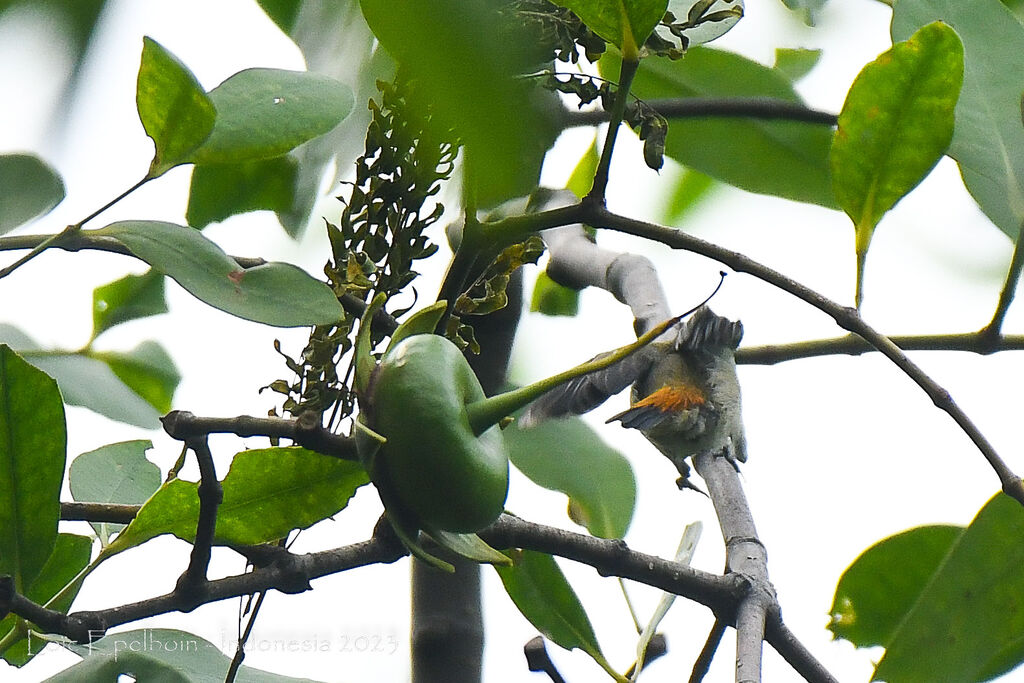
{"x":765,"y":108}
{"x":846,"y":317}
{"x":193,"y":580}
{"x":116,"y":513}
{"x":183,"y":425}
{"x":972,"y":342}
{"x":84,"y":240}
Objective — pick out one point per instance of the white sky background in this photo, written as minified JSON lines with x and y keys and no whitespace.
{"x":843,"y":451}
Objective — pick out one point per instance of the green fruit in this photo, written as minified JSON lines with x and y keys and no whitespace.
{"x":432,"y":465}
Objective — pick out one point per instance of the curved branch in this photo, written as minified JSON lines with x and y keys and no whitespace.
{"x":765,"y":108}
{"x":846,"y":317}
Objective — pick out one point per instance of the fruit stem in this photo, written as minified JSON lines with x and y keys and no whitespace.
{"x":486,"y":413}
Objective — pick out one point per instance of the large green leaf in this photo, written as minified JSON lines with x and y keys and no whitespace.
{"x":69,"y":557}
{"x":129,"y":298}
{"x":540,"y":590}
{"x":147,"y":370}
{"x":267,"y":493}
{"x":92,"y":384}
{"x":159,"y":655}
{"x":967,"y":623}
{"x":476,"y":69}
{"x":33,"y":439}
{"x":784,"y":158}
{"x":875,"y":593}
{"x":276,"y":294}
{"x":264,"y":113}
{"x":568,"y":456}
{"x":29,"y":188}
{"x":988,"y":142}
{"x":219,"y":191}
{"x":895,"y":125}
{"x":624,"y":23}
{"x":133,"y":387}
{"x":175,"y":111}
{"x":115,"y":473}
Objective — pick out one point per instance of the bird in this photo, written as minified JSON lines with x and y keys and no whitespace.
{"x":685,"y":395}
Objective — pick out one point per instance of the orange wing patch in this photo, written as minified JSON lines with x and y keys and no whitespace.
{"x":672,"y":399}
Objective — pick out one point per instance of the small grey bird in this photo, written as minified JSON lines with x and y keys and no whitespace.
{"x":685,"y":397}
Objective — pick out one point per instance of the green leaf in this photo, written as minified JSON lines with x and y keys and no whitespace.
{"x":277,"y":294}
{"x":69,"y":557}
{"x":783,"y":158}
{"x":807,"y":9}
{"x":33,"y":439}
{"x":264,"y":113}
{"x":551,"y":298}
{"x":875,"y":593}
{"x":29,"y":188}
{"x":543,"y":595}
{"x":219,"y":191}
{"x":479,"y":65}
{"x":130,"y":298}
{"x":796,"y":63}
{"x":973,"y":606}
{"x":174,"y":110}
{"x":158,"y":654}
{"x":281,"y":12}
{"x":582,"y":178}
{"x":267,"y":493}
{"x":115,"y":473}
{"x":988,"y":142}
{"x":147,"y":370}
{"x":92,"y":384}
{"x":895,"y":125}
{"x":690,"y":190}
{"x":423,"y":321}
{"x":623,"y":23}
{"x":568,"y":456}
{"x":470,"y":546}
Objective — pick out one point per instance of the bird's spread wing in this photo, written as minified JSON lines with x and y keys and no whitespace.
{"x":580,"y":395}
{"x":707,"y":332}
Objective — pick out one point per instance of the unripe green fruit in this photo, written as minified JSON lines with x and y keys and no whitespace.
{"x":432,"y":464}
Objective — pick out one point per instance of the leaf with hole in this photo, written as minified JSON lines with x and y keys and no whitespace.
{"x":115,"y":473}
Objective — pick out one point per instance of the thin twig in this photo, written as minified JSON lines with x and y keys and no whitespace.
{"x":626,"y":74}
{"x":764,"y":108}
{"x":702,"y":666}
{"x":115,"y":513}
{"x":992,"y":331}
{"x":971,"y":342}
